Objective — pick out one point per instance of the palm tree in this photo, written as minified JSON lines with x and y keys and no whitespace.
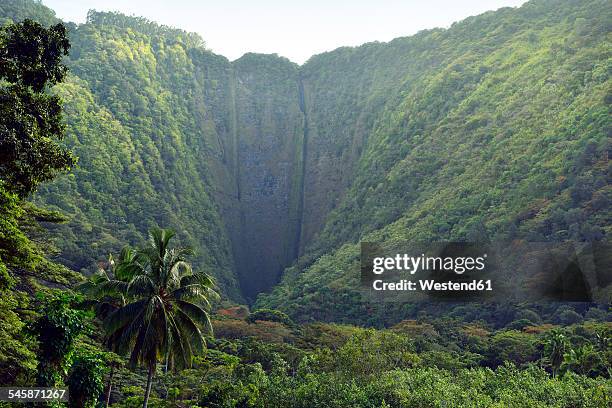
{"x":166,"y":307}
{"x":555,"y":347}
{"x":602,"y":340}
{"x":106,"y":291}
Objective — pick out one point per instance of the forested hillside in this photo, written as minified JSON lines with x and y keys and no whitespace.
{"x":125,"y":145}
{"x":208,"y":147}
{"x":496,"y":128}
{"x":133,"y":122}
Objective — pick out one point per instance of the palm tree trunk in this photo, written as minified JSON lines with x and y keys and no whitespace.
{"x":110,"y":386}
{"x":149,"y":383}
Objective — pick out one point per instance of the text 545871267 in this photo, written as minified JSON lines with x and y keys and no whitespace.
{"x":33,"y":394}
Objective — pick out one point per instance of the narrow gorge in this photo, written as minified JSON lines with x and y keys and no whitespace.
{"x":496,"y":127}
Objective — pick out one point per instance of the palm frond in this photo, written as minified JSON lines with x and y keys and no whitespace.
{"x":122,"y":316}
{"x":181,"y":343}
{"x":138,"y":353}
{"x":113,"y":288}
{"x":126,"y":270}
{"x":191,"y":330}
{"x":141,"y":285}
{"x":200,"y":278}
{"x":124,"y":338}
{"x":195,"y":312}
{"x":196,"y":293}
{"x":159,"y":238}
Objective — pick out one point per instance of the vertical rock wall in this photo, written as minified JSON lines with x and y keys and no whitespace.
{"x":269,"y":130}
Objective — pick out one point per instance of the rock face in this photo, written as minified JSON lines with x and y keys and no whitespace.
{"x":253,"y":121}
{"x":299,"y":133}
{"x":269,"y":137}
{"x":283,"y":157}
{"x":283,"y":144}
{"x":297,"y":137}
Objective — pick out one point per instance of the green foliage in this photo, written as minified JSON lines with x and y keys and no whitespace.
{"x":330,"y":365}
{"x":417,"y":388}
{"x":514,"y":346}
{"x":584,"y":360}
{"x":371,"y":352}
{"x":141,"y":128}
{"x":32,"y":54}
{"x":17,"y":359}
{"x":19,"y":10}
{"x":86,"y":380}
{"x":366,"y":369}
{"x":31,"y":124}
{"x":270,"y":316}
{"x":57,"y":329}
{"x":30,"y":127}
{"x":347,"y":366}
{"x":555,"y":348}
{"x":167,"y":305}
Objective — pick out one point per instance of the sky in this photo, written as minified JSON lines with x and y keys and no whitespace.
{"x":290,"y":28}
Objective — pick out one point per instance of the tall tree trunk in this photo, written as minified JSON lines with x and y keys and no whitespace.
{"x":110,"y":386}
{"x":149,"y":383}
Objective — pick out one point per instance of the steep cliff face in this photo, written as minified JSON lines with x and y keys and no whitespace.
{"x":269,"y":136}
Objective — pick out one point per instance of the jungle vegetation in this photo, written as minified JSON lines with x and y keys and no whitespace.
{"x":136,"y":166}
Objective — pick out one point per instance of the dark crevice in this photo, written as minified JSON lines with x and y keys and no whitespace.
{"x":302,"y":174}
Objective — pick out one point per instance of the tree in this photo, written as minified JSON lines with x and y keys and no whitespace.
{"x":167,"y":306}
{"x":30,"y":126}
{"x":584,"y":360}
{"x":512,"y":345}
{"x":30,"y":118}
{"x":270,"y":315}
{"x":555,"y":346}
{"x":114,"y":362}
{"x":86,"y":380}
{"x":57,"y":328}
